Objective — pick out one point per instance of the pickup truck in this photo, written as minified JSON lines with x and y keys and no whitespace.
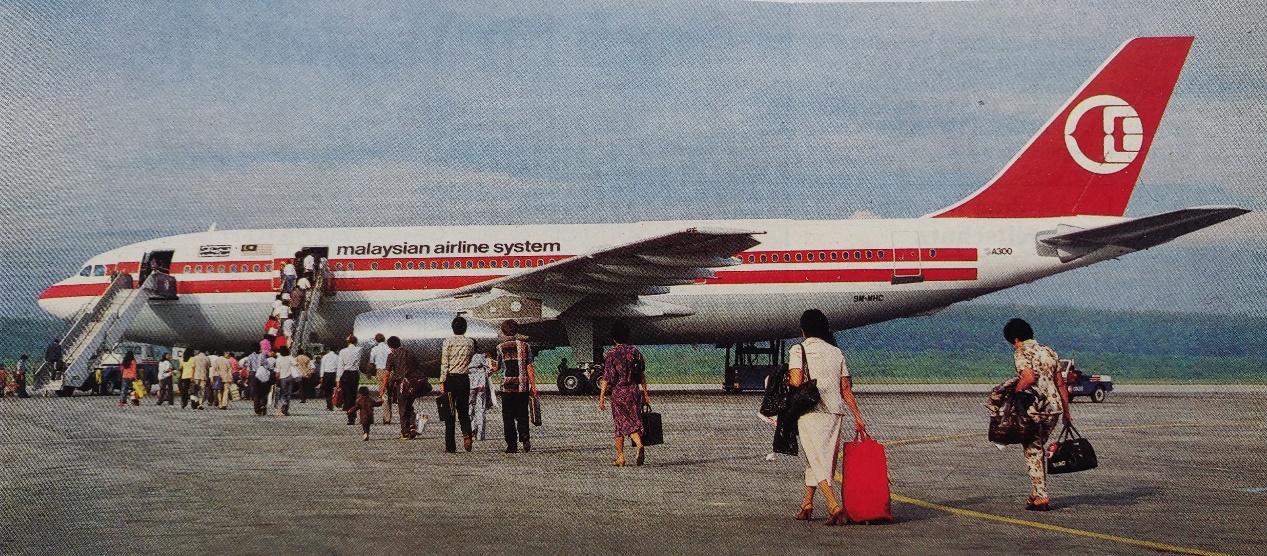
{"x":1082,"y":384}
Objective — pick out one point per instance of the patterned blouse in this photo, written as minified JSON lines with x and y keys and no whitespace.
{"x":1043,"y":361}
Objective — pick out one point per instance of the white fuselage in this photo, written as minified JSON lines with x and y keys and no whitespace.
{"x":857,"y":271}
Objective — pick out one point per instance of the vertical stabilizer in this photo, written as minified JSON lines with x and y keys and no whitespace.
{"x":1087,"y":158}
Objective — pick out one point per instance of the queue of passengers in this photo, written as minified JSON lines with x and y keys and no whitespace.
{"x":467,"y":379}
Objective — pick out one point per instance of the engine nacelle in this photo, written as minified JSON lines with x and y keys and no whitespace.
{"x":422,"y":331}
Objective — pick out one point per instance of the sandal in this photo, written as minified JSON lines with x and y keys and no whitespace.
{"x":619,"y":463}
{"x":806,"y":513}
{"x":639,"y":458}
{"x":1038,"y":504}
{"x":837,"y":517}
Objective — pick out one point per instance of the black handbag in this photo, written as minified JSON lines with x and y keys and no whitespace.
{"x":775,"y":399}
{"x":803,"y":398}
{"x":444,"y":406}
{"x":652,"y":427}
{"x":534,"y":412}
{"x":1070,"y":453}
{"x":1012,"y":425}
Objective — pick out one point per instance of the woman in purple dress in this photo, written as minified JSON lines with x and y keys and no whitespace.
{"x":624,"y":373}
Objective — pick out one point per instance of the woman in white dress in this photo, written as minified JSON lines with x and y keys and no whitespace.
{"x":818,"y":358}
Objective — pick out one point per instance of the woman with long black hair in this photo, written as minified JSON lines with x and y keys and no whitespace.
{"x":818,"y":358}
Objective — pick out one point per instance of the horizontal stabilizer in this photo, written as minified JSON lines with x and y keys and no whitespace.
{"x":1142,"y":233}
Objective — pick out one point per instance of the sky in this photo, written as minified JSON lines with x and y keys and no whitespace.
{"x":126,"y":121}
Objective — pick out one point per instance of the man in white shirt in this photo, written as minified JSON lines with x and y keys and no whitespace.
{"x":348,"y":375}
{"x":288,"y":277}
{"x":378,"y":358}
{"x":288,"y":374}
{"x":329,"y":377}
{"x":165,"y":380}
{"x":310,"y":265}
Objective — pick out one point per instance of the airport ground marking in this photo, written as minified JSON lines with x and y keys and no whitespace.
{"x":1045,"y":526}
{"x":1055,"y":528}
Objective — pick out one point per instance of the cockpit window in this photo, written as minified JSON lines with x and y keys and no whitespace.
{"x":87,"y":271}
{"x":99,"y":270}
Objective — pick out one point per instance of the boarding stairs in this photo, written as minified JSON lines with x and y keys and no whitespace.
{"x":99,"y":326}
{"x":312,"y":300}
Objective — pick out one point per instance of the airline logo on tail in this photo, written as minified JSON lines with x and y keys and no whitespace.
{"x":1087,"y":158}
{"x":1122,"y":138}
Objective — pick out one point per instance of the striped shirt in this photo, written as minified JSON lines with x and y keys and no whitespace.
{"x":455,"y":356}
{"x":514,"y":359}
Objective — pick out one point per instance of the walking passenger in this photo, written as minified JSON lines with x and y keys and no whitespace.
{"x":378,"y":359}
{"x":304,"y":365}
{"x":53,"y":354}
{"x":1036,"y":369}
{"x":310,"y":266}
{"x":186,"y":378}
{"x":165,"y":380}
{"x":128,"y":370}
{"x":222,"y":376}
{"x":480,"y":371}
{"x":260,"y":383}
{"x":408,"y":384}
{"x":455,"y":357}
{"x":364,"y":405}
{"x":329,"y":377}
{"x":514,"y":360}
{"x":817,"y":358}
{"x":288,"y":375}
{"x":349,"y":375}
{"x":625,"y":374}
{"x":202,"y":375}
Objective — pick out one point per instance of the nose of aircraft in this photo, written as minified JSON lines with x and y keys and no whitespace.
{"x":53,"y":304}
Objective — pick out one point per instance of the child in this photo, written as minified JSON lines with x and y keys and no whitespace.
{"x":365,"y":404}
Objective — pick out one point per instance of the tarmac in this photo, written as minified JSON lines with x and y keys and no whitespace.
{"x":1181,"y":471}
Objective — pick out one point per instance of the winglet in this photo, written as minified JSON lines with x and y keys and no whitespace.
{"x":1087,"y":158}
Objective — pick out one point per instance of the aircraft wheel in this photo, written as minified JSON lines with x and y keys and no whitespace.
{"x":1097,"y":395}
{"x":572,"y":383}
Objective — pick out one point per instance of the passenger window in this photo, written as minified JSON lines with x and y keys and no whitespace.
{"x":810,"y":256}
{"x":798,"y":257}
{"x":834,"y":255}
{"x":433,"y":265}
{"x":99,"y":270}
{"x":787,"y":258}
{"x":505,"y":263}
{"x":351,"y":266}
{"x":469,"y":264}
{"x":822,"y":256}
{"x":198,"y":269}
{"x":518,"y":263}
{"x":844,"y":255}
{"x":763,"y":258}
{"x":373,"y":266}
{"x":87,"y":271}
{"x":868,"y":255}
{"x":268,"y":268}
{"x":932,"y":253}
{"x":338,"y":266}
{"x":879,"y":254}
{"x":233,"y":268}
{"x":255,"y":268}
{"x":540,"y":262}
{"x":857,"y":254}
{"x":187,"y":269}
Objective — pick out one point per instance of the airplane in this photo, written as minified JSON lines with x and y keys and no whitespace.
{"x":1058,"y":205}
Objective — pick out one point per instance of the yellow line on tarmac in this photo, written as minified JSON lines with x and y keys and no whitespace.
{"x":1055,"y":528}
{"x":1039,"y":525}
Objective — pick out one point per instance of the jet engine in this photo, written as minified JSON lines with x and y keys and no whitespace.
{"x":422,"y":331}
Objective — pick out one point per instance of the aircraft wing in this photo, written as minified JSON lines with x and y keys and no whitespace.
{"x":643,"y":267}
{"x":1141,"y":233}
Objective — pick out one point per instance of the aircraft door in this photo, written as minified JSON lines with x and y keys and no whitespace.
{"x":907,"y":260}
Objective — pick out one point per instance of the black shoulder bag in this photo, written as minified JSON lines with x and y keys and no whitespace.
{"x":803,"y":398}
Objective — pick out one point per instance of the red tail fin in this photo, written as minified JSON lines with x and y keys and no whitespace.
{"x":1087,"y":158}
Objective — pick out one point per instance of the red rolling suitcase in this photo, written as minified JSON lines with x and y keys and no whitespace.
{"x":864,"y":488}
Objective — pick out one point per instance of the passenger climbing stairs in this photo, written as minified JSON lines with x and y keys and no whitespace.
{"x":98,"y":327}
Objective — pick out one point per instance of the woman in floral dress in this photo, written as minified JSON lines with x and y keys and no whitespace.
{"x":624,"y":374}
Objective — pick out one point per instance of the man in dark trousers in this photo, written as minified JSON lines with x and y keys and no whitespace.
{"x":408,"y":381}
{"x":54,"y":355}
{"x":348,"y":375}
